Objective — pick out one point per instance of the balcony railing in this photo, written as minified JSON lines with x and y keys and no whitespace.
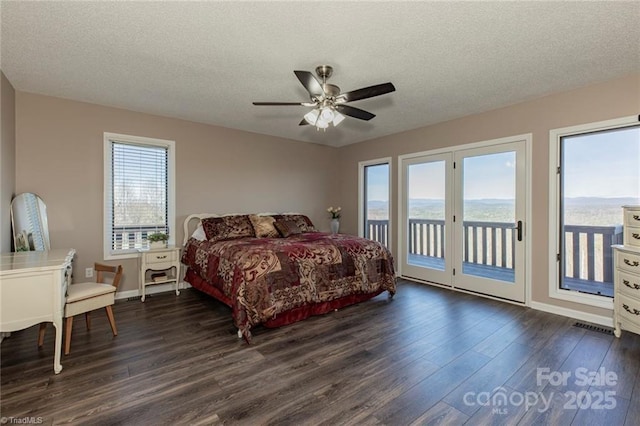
{"x":588,"y":254}
{"x":378,"y":230}
{"x":588,"y":257}
{"x":134,"y":237}
{"x":486,"y":243}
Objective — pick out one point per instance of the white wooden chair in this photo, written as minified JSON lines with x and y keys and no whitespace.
{"x":82,"y":298}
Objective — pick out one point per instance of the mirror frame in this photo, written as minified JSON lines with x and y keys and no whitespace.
{"x":25,"y":208}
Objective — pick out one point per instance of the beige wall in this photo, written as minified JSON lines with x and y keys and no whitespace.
{"x":59,"y":156}
{"x":7,"y":160}
{"x":599,"y":102}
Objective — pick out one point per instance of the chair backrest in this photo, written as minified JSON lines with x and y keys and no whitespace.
{"x":100,"y":273}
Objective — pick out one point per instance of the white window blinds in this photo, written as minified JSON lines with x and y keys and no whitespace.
{"x":139,"y":194}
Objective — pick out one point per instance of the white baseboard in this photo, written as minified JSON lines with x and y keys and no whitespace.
{"x":572,"y":313}
{"x":552,"y":309}
{"x":152,"y":289}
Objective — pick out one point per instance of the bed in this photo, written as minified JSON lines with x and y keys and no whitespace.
{"x":276,"y":269}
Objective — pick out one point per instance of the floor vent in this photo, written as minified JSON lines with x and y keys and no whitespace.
{"x":594,"y":328}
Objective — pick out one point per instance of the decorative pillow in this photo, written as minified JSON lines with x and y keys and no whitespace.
{"x":287,"y":228}
{"x":227,"y":227}
{"x":303,"y":222}
{"x":199,"y":234}
{"x":263,"y":226}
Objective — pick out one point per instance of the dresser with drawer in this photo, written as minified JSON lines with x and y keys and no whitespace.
{"x":626,"y":305}
{"x":33,"y":287}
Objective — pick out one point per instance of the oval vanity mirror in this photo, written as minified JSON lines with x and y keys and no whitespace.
{"x":29,"y":222}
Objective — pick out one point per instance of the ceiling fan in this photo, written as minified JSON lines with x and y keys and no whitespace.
{"x":327,"y":101}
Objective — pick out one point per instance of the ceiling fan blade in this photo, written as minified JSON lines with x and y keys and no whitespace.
{"x":303,"y":122}
{"x":367,"y":92}
{"x":280,"y":103}
{"x":354,"y":112}
{"x":310,"y":83}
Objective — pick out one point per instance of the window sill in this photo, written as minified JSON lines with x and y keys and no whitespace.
{"x":582,"y":298}
{"x":128,"y":255}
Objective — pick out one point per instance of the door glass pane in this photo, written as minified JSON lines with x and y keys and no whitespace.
{"x":376,"y":201}
{"x":489,"y":192}
{"x":426,"y":220}
{"x":600,"y":172}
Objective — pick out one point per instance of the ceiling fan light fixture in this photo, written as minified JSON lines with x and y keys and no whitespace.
{"x":321,"y":124}
{"x":327,"y":114}
{"x":312,"y":116}
{"x":322,"y":117}
{"x":337,"y":118}
{"x":327,"y":99}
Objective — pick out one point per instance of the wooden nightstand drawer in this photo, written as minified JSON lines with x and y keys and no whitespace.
{"x":160,"y":256}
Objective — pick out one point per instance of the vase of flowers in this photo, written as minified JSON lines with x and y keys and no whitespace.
{"x":335,"y":218}
{"x":157,"y":240}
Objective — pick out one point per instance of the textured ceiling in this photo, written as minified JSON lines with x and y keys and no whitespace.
{"x":207,"y":61}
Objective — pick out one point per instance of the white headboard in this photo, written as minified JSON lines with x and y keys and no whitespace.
{"x":191,"y":223}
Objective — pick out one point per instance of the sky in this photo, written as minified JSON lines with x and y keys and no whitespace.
{"x":485,"y":176}
{"x":377,"y":182}
{"x":604,"y":164}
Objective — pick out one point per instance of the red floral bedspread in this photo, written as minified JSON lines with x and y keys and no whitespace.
{"x":264,"y":277}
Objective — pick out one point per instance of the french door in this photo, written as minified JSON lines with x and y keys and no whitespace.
{"x":463,"y":217}
{"x":427,"y":217}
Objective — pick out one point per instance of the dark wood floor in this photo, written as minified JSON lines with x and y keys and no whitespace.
{"x":429,"y":356}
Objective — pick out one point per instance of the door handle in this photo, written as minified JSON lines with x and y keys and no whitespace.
{"x":518,"y":227}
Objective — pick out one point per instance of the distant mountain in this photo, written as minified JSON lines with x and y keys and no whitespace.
{"x":598,"y":201}
{"x":577,"y":211}
{"x":425,"y":202}
{"x":576,"y":201}
{"x":491,"y":201}
{"x":377,"y":204}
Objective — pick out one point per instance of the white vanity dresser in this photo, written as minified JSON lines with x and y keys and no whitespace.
{"x":33,"y":286}
{"x":626,"y":304}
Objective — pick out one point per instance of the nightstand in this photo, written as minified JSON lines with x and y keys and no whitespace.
{"x":159,"y":266}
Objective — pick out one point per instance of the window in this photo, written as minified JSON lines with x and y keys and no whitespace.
{"x":139,"y":193}
{"x":374,"y":200}
{"x":596,"y":174}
